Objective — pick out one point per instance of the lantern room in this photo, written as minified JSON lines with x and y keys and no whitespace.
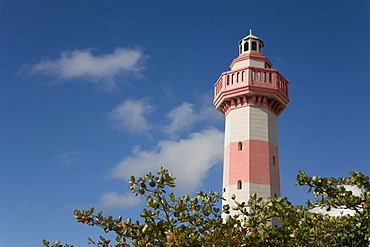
{"x":250,"y":43}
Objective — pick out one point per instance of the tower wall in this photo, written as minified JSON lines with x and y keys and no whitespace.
{"x":245,"y":63}
{"x":255,"y":163}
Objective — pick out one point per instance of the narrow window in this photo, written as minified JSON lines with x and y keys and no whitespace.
{"x":246,"y":46}
{"x":254,"y":46}
{"x":224,"y":190}
{"x":239,"y":185}
{"x":273,"y":160}
{"x":240,"y":146}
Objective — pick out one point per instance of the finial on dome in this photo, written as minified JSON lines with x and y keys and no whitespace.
{"x":250,"y":31}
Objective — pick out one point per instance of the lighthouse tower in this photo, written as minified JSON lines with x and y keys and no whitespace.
{"x":251,"y":95}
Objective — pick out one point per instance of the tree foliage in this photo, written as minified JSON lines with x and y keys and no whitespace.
{"x":168,"y":220}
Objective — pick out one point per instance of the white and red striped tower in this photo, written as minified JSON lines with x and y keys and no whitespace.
{"x":251,"y":96}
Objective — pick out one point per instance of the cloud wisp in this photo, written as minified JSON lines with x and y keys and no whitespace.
{"x":70,"y":157}
{"x":181,"y":118}
{"x":83,"y":64}
{"x":189,"y":159}
{"x":185,"y":116}
{"x":115,"y":200}
{"x":131,"y":116}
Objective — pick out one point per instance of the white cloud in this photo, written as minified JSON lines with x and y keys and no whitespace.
{"x":131,"y":116}
{"x":186,"y":115}
{"x":69,"y":157}
{"x":340,"y":211}
{"x":333,"y":211}
{"x":181,"y":117}
{"x":188,"y":159}
{"x":116,"y":200}
{"x":84,"y":64}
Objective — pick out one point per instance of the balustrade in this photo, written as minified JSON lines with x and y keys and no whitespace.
{"x":260,"y":77}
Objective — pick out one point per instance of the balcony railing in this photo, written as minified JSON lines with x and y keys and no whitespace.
{"x":251,"y":76}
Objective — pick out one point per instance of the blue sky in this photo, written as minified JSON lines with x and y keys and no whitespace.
{"x":94,"y":91}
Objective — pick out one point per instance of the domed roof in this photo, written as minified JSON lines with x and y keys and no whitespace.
{"x":251,"y":36}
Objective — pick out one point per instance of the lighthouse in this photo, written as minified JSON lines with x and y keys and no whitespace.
{"x":251,"y":95}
